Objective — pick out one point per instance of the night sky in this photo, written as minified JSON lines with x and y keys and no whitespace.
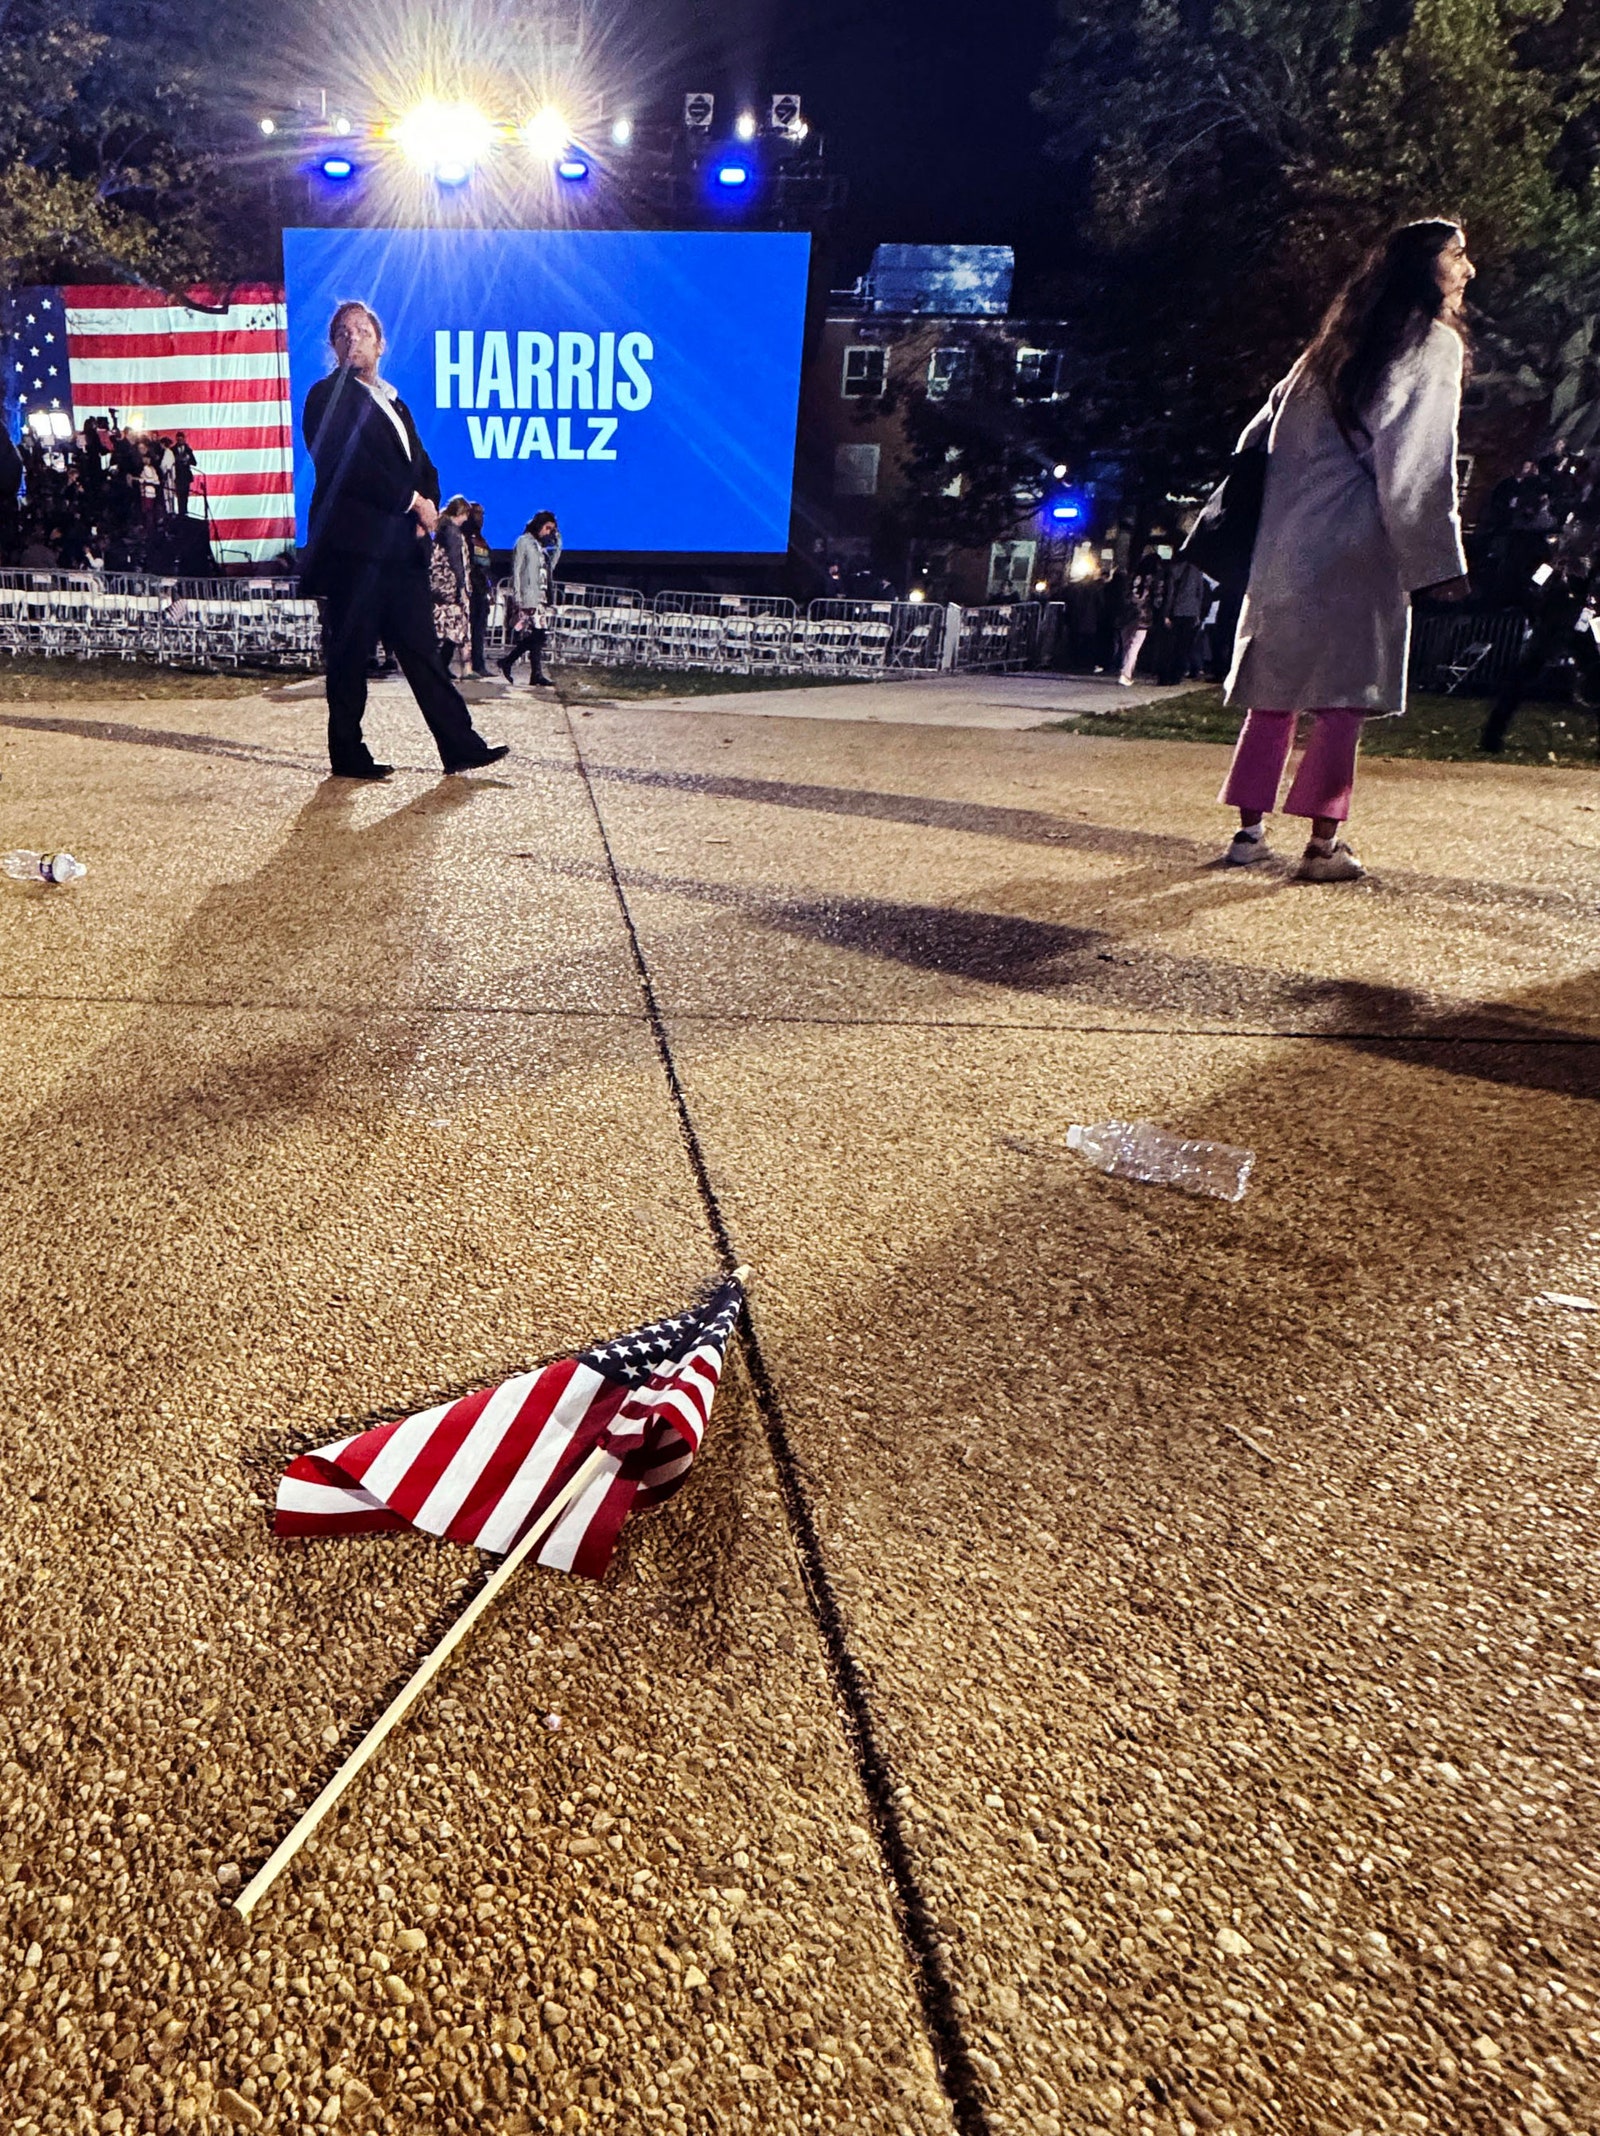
{"x":924,"y":104}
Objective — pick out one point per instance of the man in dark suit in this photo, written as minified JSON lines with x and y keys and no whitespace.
{"x":375,"y":503}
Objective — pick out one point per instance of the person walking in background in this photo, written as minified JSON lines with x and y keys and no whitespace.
{"x":1187,"y":593}
{"x":1137,"y":613}
{"x":479,"y":586}
{"x":447,"y":575}
{"x":374,"y":504}
{"x":533,"y":594}
{"x":1359,"y":514}
{"x":1562,"y":627}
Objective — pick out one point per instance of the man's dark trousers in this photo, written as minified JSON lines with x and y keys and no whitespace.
{"x":367,"y":599}
{"x":1552,"y":637}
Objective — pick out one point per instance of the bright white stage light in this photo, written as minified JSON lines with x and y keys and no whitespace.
{"x":269,"y":127}
{"x":746,"y":126}
{"x":448,"y":141}
{"x":547,"y":133}
{"x":622,"y":132}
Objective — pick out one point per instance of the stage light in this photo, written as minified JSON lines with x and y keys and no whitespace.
{"x":733,"y":174}
{"x":745,"y":126}
{"x":571,"y":168}
{"x":622,"y":132}
{"x":269,"y":127}
{"x":547,"y":133}
{"x":448,"y":141}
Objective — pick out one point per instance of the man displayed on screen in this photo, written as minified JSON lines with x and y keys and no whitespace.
{"x":373,"y":508}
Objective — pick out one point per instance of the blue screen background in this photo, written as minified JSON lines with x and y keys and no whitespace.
{"x":706,"y":466}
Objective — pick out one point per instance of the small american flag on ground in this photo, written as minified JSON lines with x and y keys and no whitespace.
{"x":480,"y":1470}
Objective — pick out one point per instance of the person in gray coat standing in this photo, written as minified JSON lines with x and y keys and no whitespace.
{"x":1358,"y":515}
{"x":533,"y":594}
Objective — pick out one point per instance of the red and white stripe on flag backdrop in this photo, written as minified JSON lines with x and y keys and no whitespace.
{"x":481,"y":1469}
{"x":219,"y":371}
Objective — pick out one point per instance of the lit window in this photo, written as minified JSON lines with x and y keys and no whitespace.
{"x":1038,"y":374}
{"x":948,"y":371}
{"x":855,"y":471}
{"x":1011,"y":568}
{"x":865,"y":370}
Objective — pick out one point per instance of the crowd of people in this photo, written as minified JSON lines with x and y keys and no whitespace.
{"x":1161,"y":615}
{"x":101,"y":499}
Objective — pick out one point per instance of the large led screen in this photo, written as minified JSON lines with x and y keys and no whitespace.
{"x":642,"y":385}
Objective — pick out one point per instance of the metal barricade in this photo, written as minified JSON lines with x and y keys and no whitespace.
{"x":1003,"y":635}
{"x":916,"y":640}
{"x":1453,"y":651}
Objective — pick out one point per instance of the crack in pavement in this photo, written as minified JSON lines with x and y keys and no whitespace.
{"x":913,"y":1915}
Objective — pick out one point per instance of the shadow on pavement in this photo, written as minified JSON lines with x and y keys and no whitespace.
{"x":1097,"y":969}
{"x":108,"y":730}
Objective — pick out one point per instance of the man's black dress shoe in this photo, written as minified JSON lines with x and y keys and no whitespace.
{"x":491,"y":755}
{"x":363,"y":771}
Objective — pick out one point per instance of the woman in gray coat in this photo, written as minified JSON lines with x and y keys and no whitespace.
{"x":533,"y":595}
{"x":1359,"y":514}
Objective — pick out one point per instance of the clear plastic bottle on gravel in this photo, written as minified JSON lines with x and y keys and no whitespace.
{"x":43,"y":867}
{"x":1138,"y":1149}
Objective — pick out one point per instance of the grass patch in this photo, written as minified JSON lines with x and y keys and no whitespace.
{"x":629,"y":683}
{"x":23,"y":681}
{"x":1442,"y":729}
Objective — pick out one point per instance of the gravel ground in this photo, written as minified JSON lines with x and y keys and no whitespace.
{"x":1248,"y":1786}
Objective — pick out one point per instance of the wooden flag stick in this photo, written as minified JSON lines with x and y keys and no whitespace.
{"x":270,"y":1871}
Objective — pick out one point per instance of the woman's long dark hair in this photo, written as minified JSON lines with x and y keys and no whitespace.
{"x":1384,"y":310}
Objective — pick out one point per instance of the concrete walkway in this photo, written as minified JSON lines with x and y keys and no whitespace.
{"x":998,"y":702}
{"x":1001,"y":702}
{"x":1125,"y":1663}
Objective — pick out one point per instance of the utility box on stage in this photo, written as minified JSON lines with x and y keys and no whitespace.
{"x":640,"y":384}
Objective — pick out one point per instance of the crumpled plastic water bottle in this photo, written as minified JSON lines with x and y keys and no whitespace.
{"x":28,"y":867}
{"x":1139,"y":1149}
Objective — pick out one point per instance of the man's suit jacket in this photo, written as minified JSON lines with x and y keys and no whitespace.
{"x":361,"y":505}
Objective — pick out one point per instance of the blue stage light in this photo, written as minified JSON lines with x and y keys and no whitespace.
{"x":337,"y":167}
{"x":733,"y":174}
{"x":572,"y":168}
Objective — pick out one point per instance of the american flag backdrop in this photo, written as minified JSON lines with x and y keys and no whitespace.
{"x":217,"y":369}
{"x":480,"y":1470}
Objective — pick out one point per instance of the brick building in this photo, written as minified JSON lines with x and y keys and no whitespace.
{"x":931,"y":324}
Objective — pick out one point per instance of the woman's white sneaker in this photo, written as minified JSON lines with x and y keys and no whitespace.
{"x":1335,"y":864}
{"x":1244,"y":851}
